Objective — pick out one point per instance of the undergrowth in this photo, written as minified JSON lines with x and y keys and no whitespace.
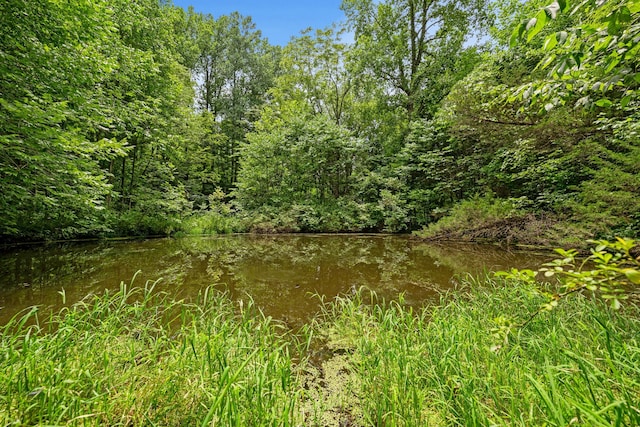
{"x":454,"y":365}
{"x":136,"y":357}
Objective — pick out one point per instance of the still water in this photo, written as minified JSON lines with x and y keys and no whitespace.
{"x":281,"y":273}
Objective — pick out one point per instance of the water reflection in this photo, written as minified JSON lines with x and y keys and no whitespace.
{"x":279,"y":272}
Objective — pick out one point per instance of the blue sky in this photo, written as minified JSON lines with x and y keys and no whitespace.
{"x":278,"y":20}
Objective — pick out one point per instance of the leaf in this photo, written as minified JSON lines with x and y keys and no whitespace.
{"x":615,"y":304}
{"x":613,"y":28}
{"x":516,"y":35}
{"x":553,"y":9}
{"x":550,"y":60}
{"x":625,"y":101}
{"x":550,"y":42}
{"x":536,"y":24}
{"x":563,"y":5}
{"x":604,"y":103}
{"x":562,"y":37}
{"x":633,"y":275}
{"x":612,"y":64}
{"x":577,"y":58}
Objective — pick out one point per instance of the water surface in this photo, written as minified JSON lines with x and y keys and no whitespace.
{"x":281,"y":273}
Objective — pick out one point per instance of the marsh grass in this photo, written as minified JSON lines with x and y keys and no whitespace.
{"x":136,"y":357}
{"x":465,"y":363}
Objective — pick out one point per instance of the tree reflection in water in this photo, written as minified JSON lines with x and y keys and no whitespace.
{"x":280,"y":272}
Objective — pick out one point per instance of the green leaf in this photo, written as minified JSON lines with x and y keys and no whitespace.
{"x":624,"y":14}
{"x":604,"y":103}
{"x":536,"y":24}
{"x":633,"y":275}
{"x":516,"y":35}
{"x":563,"y":5}
{"x":625,"y":101}
{"x":612,"y":64}
{"x":550,"y":42}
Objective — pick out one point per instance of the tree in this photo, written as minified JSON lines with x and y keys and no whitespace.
{"x":235,"y":68}
{"x":398,"y":41}
{"x":314,"y":75}
{"x":591,"y":64}
{"x":53,"y":58}
{"x":308,"y":160}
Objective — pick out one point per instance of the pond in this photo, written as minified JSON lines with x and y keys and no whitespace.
{"x":282,"y":273}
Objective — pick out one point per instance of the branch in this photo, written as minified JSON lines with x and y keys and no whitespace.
{"x":558,"y":297}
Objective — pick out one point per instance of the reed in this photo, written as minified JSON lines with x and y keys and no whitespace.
{"x":136,"y":357}
{"x":466,"y":362}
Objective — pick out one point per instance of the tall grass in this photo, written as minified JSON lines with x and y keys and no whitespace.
{"x":135,"y":357}
{"x":463,"y":363}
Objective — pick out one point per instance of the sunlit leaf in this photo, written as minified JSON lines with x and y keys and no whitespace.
{"x":536,"y":24}
{"x":615,"y":304}
{"x":604,"y":103}
{"x":625,"y":101}
{"x":550,"y":42}
{"x":612,"y":64}
{"x":516,"y":35}
{"x":553,"y":9}
{"x":633,"y":275}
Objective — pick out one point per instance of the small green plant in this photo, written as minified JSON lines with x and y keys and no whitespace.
{"x":438,"y":366}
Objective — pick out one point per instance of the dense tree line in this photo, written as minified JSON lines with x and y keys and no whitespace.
{"x":466,"y":119}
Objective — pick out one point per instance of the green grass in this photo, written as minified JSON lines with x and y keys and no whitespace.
{"x":464,"y":363}
{"x":136,"y":357}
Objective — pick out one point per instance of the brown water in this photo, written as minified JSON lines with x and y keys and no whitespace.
{"x":281,"y":273}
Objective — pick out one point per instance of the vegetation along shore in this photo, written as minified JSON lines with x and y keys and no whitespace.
{"x":477,"y":120}
{"x":499,"y":350}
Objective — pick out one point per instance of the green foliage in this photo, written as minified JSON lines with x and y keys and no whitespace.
{"x":234,"y":68}
{"x":475,"y":213}
{"x":92,"y":96}
{"x":402,"y":44}
{"x":609,"y":199}
{"x":52,"y":60}
{"x":219,"y":218}
{"x":314,"y":77}
{"x":611,"y":271}
{"x":124,"y":117}
{"x":592,"y":63}
{"x":309,"y":163}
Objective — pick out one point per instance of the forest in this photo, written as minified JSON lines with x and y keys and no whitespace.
{"x":491,"y":120}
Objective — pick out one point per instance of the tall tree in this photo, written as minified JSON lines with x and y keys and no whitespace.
{"x":235,"y":67}
{"x":397,"y":41}
{"x":53,"y":56}
{"x":314,"y":75}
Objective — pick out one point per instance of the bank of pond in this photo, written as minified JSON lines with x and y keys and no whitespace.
{"x":472,"y":353}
